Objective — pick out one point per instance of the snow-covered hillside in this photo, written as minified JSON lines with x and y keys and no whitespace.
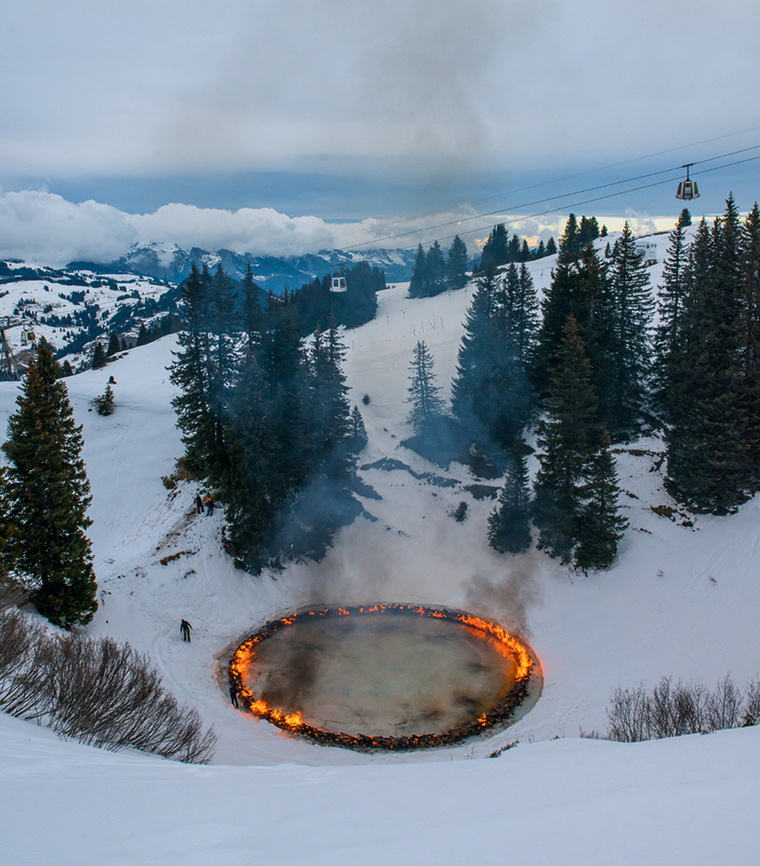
{"x":682,"y":600}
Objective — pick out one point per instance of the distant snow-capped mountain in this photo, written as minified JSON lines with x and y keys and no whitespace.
{"x":170,"y":262}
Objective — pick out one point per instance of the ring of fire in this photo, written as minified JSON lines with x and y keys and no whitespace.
{"x":385,"y":676}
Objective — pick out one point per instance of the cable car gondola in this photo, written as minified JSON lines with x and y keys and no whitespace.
{"x":338,"y":284}
{"x":687,"y":189}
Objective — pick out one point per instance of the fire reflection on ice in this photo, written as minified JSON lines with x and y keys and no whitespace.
{"x":385,"y":676}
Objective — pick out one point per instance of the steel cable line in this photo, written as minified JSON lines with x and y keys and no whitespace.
{"x":556,"y":180}
{"x":533,"y":203}
{"x":578,"y":203}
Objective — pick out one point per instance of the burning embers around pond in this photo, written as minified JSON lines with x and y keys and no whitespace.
{"x":270,"y":707}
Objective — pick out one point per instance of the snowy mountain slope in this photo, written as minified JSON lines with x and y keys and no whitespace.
{"x":76,"y":308}
{"x":689,"y":800}
{"x":171,"y":262}
{"x":682,"y":600}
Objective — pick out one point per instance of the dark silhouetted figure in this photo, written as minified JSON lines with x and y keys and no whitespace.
{"x":234,"y":695}
{"x":209,"y":504}
{"x":199,"y":504}
{"x":184,"y":628}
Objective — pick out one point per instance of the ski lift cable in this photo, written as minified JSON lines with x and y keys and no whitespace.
{"x":500,"y":211}
{"x":562,"y":207}
{"x":612,"y":165}
{"x":566,"y":195}
{"x":543,"y":183}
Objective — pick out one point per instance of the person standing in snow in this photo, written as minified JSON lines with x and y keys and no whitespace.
{"x":234,"y":695}
{"x":184,"y":628}
{"x":210,"y":504}
{"x":199,"y":504}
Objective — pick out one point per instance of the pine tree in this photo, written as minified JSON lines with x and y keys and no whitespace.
{"x":220,"y":365}
{"x":551,"y":247}
{"x":588,"y":231}
{"x":684,"y":218}
{"x":570,"y":246}
{"x":518,"y":298}
{"x":491,"y":395}
{"x":424,"y":394}
{"x":495,"y":249}
{"x":143,"y":337}
{"x":418,"y":282}
{"x":105,"y":403}
{"x":668,"y":342}
{"x":99,"y":357}
{"x":582,"y":290}
{"x":189,"y":371}
{"x":471,"y":358}
{"x":627,"y":364}
{"x":357,"y":436}
{"x":569,"y":439}
{"x":245,"y":485}
{"x":113,"y":344}
{"x":509,"y":523}
{"x":252,"y":314}
{"x":600,"y":526}
{"x":707,"y":453}
{"x":456,"y":264}
{"x":435,"y":265}
{"x":750,"y":339}
{"x":45,"y":495}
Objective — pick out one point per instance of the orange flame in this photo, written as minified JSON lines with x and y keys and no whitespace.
{"x":245,"y":654}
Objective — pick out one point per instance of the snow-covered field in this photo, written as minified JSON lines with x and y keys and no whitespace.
{"x":682,"y":600}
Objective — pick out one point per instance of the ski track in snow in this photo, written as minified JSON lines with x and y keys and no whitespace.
{"x":681,"y":601}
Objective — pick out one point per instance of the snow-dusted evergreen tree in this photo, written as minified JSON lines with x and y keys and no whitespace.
{"x":668,"y":341}
{"x":509,"y":522}
{"x":456,"y":264}
{"x":190,"y":372}
{"x":750,"y":248}
{"x":495,"y":249}
{"x":424,"y":395}
{"x":472,"y":356}
{"x":519,"y":302}
{"x":708,"y":463}
{"x":99,"y":358}
{"x":435,"y":265}
{"x":600,"y":525}
{"x":570,"y":246}
{"x":221,"y":364}
{"x":580,"y":289}
{"x":104,"y":404}
{"x":45,"y":494}
{"x":627,"y":364}
{"x":491,"y":395}
{"x":357,"y":435}
{"x":574,"y":498}
{"x":418,"y":281}
{"x":245,"y":488}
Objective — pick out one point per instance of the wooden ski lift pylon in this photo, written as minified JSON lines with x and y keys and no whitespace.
{"x":687,"y":189}
{"x":10,"y":371}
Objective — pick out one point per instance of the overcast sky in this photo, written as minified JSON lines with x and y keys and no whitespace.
{"x":345,"y":110}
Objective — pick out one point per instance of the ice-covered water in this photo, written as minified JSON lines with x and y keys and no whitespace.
{"x":382,"y":675}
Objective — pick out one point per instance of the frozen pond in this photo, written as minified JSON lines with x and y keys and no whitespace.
{"x":381,"y":674}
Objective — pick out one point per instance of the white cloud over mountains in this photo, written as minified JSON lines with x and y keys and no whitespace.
{"x":41,"y":227}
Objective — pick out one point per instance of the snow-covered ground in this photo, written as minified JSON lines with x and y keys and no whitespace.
{"x":682,"y":600}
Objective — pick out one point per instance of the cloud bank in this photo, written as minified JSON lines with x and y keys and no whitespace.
{"x":45,"y":228}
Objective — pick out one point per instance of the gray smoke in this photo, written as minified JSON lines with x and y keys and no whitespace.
{"x":506,"y":597}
